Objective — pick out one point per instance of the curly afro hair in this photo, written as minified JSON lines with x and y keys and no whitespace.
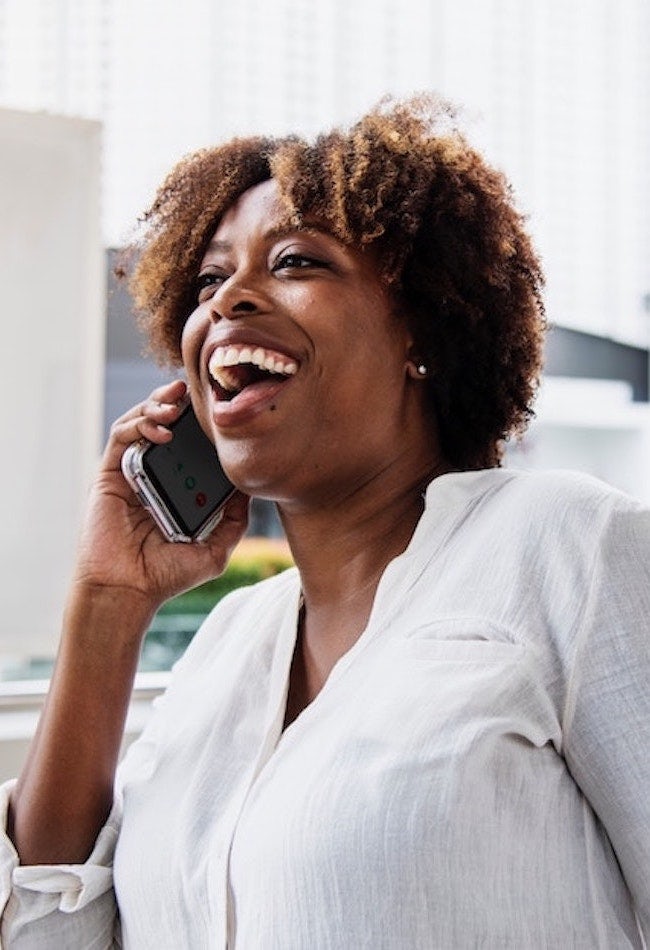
{"x":450,"y":243}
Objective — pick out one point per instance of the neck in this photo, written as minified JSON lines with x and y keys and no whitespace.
{"x":342,"y":546}
{"x":341,"y":550}
{"x":342,"y":539}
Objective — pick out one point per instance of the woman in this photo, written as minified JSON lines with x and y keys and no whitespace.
{"x":434,"y":731}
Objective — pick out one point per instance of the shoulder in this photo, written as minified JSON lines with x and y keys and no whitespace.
{"x":562,"y":504}
{"x":564,"y":485}
{"x":573,"y":538}
{"x":546,"y":496}
{"x":258,"y":608}
{"x":554,"y":523}
{"x":264,"y":594}
{"x":571,"y":509}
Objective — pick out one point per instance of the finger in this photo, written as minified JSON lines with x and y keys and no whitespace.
{"x":209,"y":558}
{"x":162,"y":413}
{"x":232,"y":525}
{"x":131,"y":430}
{"x":235,"y":510}
{"x":171,"y":394}
{"x":149,"y":420}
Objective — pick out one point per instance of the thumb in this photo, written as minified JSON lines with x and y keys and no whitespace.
{"x":232,"y":526}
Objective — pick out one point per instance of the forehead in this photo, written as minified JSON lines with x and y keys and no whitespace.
{"x":262,"y":214}
{"x":257,"y":211}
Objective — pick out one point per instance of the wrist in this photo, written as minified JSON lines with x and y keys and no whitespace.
{"x":120,"y":614}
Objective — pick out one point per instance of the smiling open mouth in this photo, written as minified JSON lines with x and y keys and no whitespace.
{"x":234,"y":368}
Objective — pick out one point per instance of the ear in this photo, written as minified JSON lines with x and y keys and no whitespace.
{"x":416,"y":368}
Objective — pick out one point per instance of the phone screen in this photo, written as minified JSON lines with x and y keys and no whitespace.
{"x":187,"y":473}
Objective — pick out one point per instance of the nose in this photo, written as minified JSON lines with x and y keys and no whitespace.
{"x":232,"y":300}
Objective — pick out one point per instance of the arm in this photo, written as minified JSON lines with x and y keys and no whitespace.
{"x":65,"y":791}
{"x":607,"y":719}
{"x":125,"y":570}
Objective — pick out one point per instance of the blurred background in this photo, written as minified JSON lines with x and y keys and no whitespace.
{"x":98,"y":98}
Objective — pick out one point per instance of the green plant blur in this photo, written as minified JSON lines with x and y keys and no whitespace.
{"x":178,"y":620}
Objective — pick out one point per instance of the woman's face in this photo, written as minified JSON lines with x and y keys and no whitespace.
{"x":296,"y":361}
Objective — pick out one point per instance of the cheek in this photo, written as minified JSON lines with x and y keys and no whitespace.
{"x":379,"y":342}
{"x":191,"y":341}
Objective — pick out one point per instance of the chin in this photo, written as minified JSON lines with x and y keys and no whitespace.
{"x":248,"y":469}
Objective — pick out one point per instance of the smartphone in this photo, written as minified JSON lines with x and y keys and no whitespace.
{"x":181,"y":483}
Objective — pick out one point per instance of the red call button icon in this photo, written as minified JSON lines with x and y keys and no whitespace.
{"x":201,"y":499}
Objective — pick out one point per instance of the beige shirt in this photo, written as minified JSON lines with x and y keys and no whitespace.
{"x":475,"y":772}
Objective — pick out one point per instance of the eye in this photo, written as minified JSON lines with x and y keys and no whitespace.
{"x":298,"y":262}
{"x":206,"y":284}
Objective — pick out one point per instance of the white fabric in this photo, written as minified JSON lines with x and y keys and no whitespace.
{"x":63,"y":906}
{"x":475,"y":772}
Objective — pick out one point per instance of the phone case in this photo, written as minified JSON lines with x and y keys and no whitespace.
{"x":150,"y":498}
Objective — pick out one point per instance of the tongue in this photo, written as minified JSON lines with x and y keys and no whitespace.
{"x":249,"y":377}
{"x":251,"y":400}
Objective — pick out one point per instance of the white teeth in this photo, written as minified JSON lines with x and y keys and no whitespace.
{"x":226,"y":379}
{"x":226,"y":356}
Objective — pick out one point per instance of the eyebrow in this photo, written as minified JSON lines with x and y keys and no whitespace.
{"x":216,"y":244}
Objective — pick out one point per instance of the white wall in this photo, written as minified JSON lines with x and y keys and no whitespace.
{"x":20,"y":706}
{"x":52,"y":362}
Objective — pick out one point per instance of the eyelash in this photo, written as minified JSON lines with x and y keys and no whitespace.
{"x":291,"y":260}
{"x":206,"y":282}
{"x":209,"y":281}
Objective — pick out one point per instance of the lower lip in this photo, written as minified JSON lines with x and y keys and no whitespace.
{"x":247,"y":405}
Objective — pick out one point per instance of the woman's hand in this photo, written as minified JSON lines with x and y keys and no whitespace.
{"x":121,"y":548}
